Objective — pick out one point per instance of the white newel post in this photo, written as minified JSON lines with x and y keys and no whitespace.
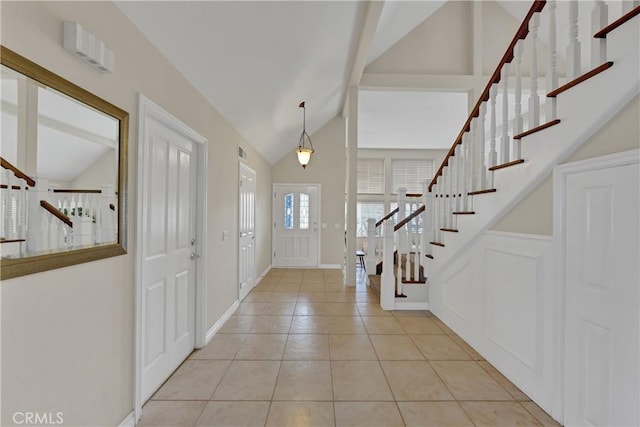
{"x":387,"y":281}
{"x":108,"y":218}
{"x":552,"y":73}
{"x":82,"y":234}
{"x":402,"y":214}
{"x":573,"y":49}
{"x":436,"y":213}
{"x":37,"y":232}
{"x":427,"y":223}
{"x":371,"y":246}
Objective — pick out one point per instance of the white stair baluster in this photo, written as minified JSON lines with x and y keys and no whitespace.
{"x":552,"y":73}
{"x":447,"y":197}
{"x":534,"y":99}
{"x":599,"y":20}
{"x":455,"y":187}
{"x":467,"y":172}
{"x":504,"y":141}
{"x":518,"y":127}
{"x":435,"y":213}
{"x":573,"y":49}
{"x":482,"y":166}
{"x":493,"y":154}
{"x":473,"y":153}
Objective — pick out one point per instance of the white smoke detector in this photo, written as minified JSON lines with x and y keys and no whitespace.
{"x":87,"y":47}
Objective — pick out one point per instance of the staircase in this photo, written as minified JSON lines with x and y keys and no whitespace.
{"x":471,"y":191}
{"x":504,"y":151}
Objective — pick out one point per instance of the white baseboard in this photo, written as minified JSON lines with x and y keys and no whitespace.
{"x":411,"y":305}
{"x":264,"y":273}
{"x":336,"y":266}
{"x":129,"y":421}
{"x":216,"y":326}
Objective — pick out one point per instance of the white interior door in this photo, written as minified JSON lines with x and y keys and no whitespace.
{"x":601,"y":298}
{"x":168,"y":241}
{"x":246,"y":212}
{"x":295,"y":225}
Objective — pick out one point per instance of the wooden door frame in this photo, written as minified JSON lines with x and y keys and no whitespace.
{"x":244,"y":165}
{"x":273,"y":213}
{"x":560,"y":174}
{"x":147,"y":108}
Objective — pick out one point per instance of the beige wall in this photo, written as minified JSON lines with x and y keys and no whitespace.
{"x":103,"y":171}
{"x":534,"y":214}
{"x":423,"y":50}
{"x":327,"y":168}
{"x":67,"y":334}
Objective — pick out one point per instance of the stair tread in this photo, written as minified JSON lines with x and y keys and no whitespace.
{"x":488,"y":190}
{"x":537,"y":129}
{"x":580,"y":79}
{"x":506,"y":165}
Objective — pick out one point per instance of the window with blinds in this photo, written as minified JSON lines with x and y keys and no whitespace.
{"x":410,"y":174}
{"x":370,"y":176}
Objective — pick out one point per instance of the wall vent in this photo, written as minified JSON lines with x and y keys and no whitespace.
{"x":87,"y":47}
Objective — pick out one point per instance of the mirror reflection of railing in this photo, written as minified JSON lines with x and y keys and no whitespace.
{"x":38,"y":218}
{"x":63,"y":181}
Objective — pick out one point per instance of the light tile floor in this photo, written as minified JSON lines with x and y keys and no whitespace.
{"x":302,"y":350}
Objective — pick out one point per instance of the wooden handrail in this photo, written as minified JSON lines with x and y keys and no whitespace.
{"x":387,"y":216}
{"x":409,"y":218}
{"x":522,"y":32}
{"x":55,"y":212}
{"x":17,"y":172}
{"x":73,"y":190}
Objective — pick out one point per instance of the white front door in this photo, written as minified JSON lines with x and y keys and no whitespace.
{"x":602,"y":253}
{"x":246,"y":213}
{"x":168,"y":241}
{"x":295,"y":225}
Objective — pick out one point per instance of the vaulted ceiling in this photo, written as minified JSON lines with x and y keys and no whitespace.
{"x":254,"y":61}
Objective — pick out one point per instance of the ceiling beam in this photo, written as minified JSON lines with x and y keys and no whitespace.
{"x":372,"y":15}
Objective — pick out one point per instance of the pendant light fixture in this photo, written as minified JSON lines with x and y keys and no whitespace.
{"x":305,"y":147}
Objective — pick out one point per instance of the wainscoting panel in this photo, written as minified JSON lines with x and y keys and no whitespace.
{"x":460,"y":296}
{"x":512,"y":303}
{"x":499,"y":296}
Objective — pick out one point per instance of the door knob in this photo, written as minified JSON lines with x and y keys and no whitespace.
{"x":194,"y":255}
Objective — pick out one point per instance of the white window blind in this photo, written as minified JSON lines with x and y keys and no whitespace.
{"x":370,"y":176}
{"x":410,"y":174}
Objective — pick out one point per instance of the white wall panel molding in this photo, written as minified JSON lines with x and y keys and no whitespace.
{"x":499,"y":296}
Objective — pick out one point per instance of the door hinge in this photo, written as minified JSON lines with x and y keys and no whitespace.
{"x":274,"y":224}
{"x":274,"y":195}
{"x":274,"y":254}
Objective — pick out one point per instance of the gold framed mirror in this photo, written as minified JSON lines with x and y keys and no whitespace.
{"x":63,"y":180}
